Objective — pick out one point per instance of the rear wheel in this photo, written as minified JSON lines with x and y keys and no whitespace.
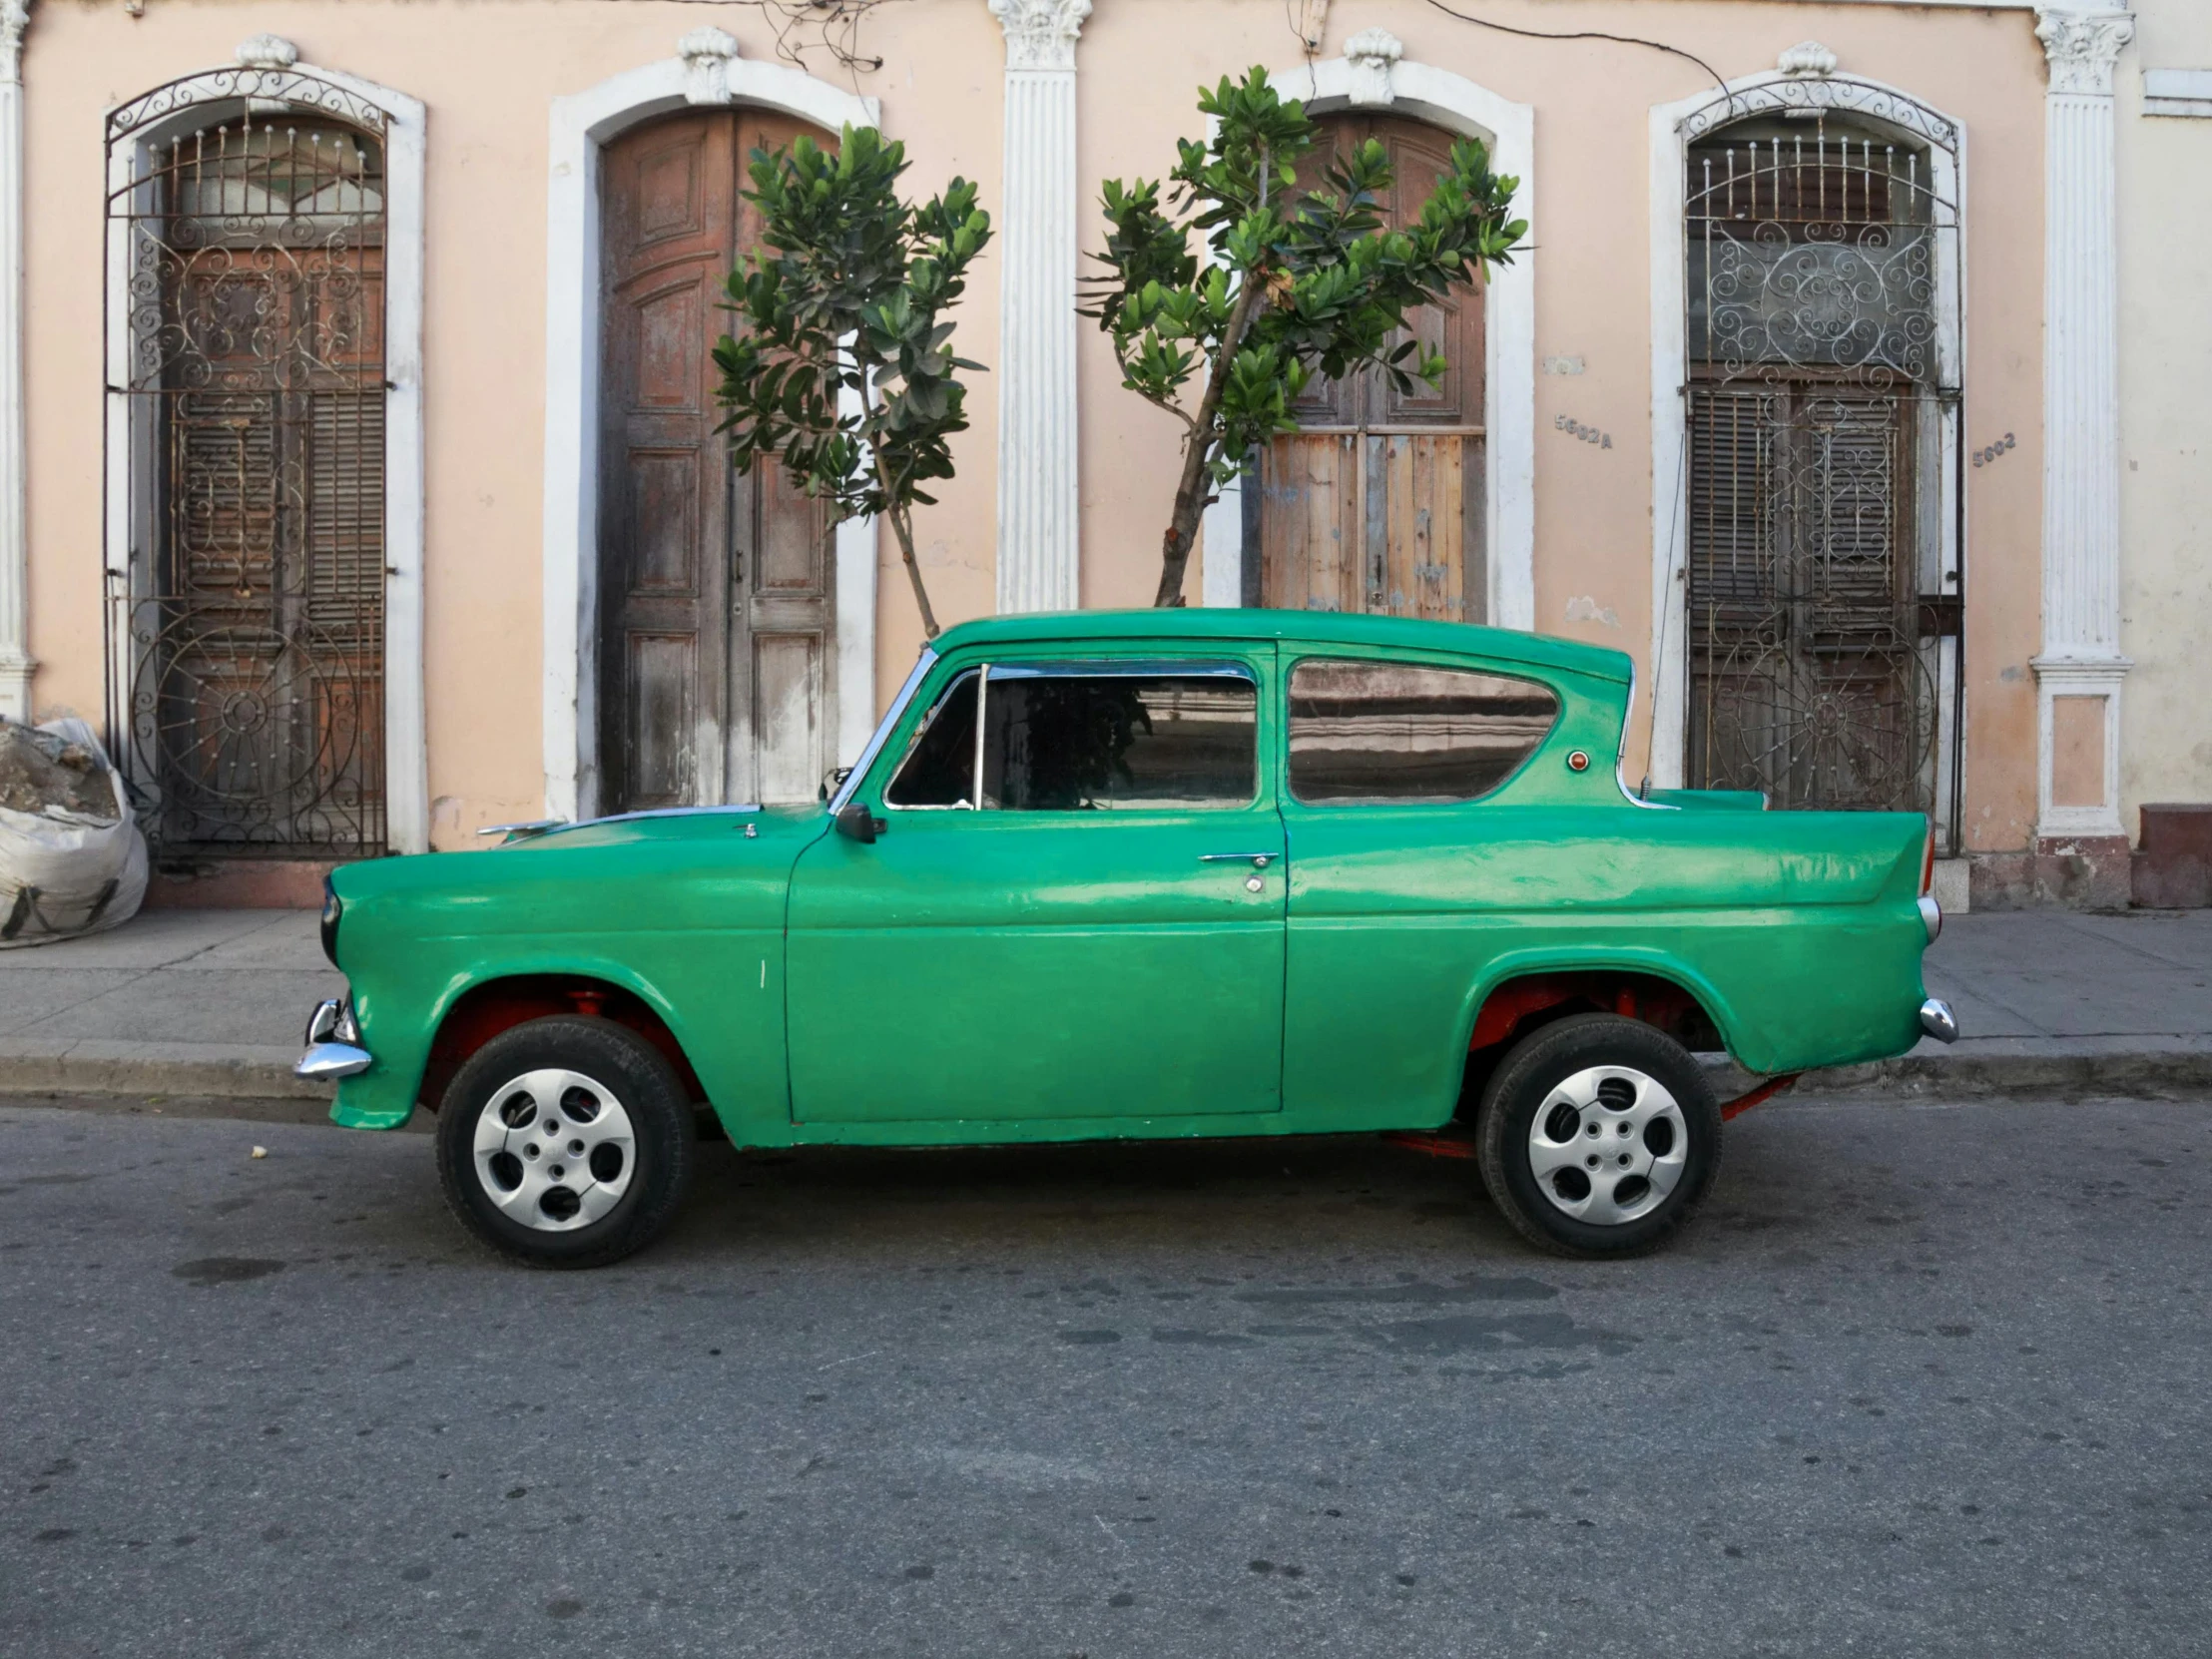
{"x":1599,"y":1136}
{"x":565,"y":1142}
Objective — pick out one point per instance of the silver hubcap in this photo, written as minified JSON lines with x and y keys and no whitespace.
{"x":1607,"y":1145}
{"x":554,"y":1150}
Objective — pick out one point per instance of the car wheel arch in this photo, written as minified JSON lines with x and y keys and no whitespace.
{"x":473,"y":1014}
{"x":1518,"y":996}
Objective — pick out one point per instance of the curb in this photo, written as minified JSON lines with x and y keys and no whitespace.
{"x":144,"y":1068}
{"x":2070,"y":1073}
{"x":207,"y":1070}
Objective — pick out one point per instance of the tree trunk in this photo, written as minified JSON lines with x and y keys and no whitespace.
{"x":1198,"y":450}
{"x":901,"y":517}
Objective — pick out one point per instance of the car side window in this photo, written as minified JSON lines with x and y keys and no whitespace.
{"x":939,"y":767}
{"x":1403,"y":732}
{"x":1106,"y":738}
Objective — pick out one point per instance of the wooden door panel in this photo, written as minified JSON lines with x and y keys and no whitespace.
{"x":787,"y":705}
{"x":661,"y":699}
{"x":1376,"y":504}
{"x":664,"y":505}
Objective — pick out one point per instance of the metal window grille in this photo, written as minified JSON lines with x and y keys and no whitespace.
{"x":246,"y":646}
{"x":1821,"y":411}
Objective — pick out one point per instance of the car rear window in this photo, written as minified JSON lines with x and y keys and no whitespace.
{"x":1381,"y":731}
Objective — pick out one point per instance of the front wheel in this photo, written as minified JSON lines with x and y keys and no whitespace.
{"x":1598,"y":1135}
{"x":566,"y":1142}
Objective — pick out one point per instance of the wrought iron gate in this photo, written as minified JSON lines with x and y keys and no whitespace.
{"x":1822,"y":411}
{"x":246,"y":631}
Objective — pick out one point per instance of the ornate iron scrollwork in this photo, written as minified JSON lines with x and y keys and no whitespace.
{"x":247,"y":638}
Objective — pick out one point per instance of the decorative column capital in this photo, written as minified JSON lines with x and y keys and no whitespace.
{"x":1040,"y":34}
{"x":707,"y":53}
{"x":2082,"y":46}
{"x":15,"y":19}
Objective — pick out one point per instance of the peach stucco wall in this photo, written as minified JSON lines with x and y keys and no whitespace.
{"x":487,"y":71}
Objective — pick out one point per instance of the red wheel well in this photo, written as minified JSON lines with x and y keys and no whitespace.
{"x":1518,"y":1006}
{"x":485,"y":1010}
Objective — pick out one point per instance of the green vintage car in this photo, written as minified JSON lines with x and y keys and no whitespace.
{"x":1143,"y":874}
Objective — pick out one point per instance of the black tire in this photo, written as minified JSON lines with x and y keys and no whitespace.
{"x":640,"y":1180}
{"x":1632,"y":1142}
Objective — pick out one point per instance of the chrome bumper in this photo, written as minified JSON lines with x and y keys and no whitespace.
{"x":333,"y":1044}
{"x":1938,"y":1021}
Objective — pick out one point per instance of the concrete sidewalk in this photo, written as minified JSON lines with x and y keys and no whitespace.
{"x":211,"y":1002}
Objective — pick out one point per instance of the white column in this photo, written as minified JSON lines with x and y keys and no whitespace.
{"x":15,"y":553}
{"x":2076,"y":775}
{"x":1037,"y":460}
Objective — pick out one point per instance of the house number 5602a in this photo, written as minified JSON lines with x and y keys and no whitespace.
{"x":1588,"y":434}
{"x":1989,"y":452}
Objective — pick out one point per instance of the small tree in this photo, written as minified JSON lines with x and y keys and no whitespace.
{"x":842,"y":368}
{"x":1290,"y":285}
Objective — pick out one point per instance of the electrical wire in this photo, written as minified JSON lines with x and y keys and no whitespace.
{"x":1590,"y":34}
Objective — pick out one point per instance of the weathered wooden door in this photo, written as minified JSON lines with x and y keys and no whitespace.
{"x":717,"y":599}
{"x":1376,"y":503}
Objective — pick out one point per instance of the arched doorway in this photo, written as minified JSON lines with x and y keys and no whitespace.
{"x":717,"y":593}
{"x":247,"y":624}
{"x":1376,"y":503}
{"x":1822,"y":401}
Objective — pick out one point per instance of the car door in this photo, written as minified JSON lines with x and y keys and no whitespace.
{"x":1399,"y":891}
{"x":1074,"y":911}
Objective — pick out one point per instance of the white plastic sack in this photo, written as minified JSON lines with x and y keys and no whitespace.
{"x":66,"y":873}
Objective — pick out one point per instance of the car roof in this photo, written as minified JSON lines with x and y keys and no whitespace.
{"x":1298,"y":627}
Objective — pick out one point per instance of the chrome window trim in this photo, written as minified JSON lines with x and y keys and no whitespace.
{"x":923,"y":731}
{"x":1150,"y":668}
{"x":1620,"y":751}
{"x":859,"y":775}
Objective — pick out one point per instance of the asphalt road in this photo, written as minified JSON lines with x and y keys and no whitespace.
{"x":1921,"y":1379}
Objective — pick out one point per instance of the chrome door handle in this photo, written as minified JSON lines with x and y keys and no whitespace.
{"x":1258,"y":861}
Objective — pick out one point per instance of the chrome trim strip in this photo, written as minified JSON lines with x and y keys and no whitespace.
{"x":1149,"y":668}
{"x":1620,"y":751}
{"x":524,"y":827}
{"x":975,"y":776}
{"x":1938,"y":1021}
{"x":326,"y":1062}
{"x":851,"y":785}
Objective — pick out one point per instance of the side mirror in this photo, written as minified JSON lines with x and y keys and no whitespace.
{"x":832,"y":780}
{"x":856,"y":823}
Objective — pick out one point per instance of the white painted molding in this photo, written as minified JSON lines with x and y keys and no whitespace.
{"x":1040,"y":34}
{"x":16,"y":665}
{"x":1457,"y":104}
{"x":2057,"y":677}
{"x":1673,"y":126}
{"x":581,"y":125}
{"x":266,"y":52}
{"x":2178,"y":92}
{"x":1372,"y":54}
{"x":1039,"y":557}
{"x":2081,"y":406}
{"x":707,"y":53}
{"x":406,"y":756}
{"x":1807,"y":57}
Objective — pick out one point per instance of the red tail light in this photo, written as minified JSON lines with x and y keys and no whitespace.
{"x":1927,"y":860}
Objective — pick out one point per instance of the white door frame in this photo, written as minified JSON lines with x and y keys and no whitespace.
{"x":269,"y":68}
{"x":1373,"y":75}
{"x":704,"y":71}
{"x":1673,"y":127}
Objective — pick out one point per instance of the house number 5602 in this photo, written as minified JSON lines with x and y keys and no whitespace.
{"x":1588,"y":434}
{"x":1984,"y":457}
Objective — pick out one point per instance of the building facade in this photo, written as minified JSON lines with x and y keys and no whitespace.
{"x":357,"y":450}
